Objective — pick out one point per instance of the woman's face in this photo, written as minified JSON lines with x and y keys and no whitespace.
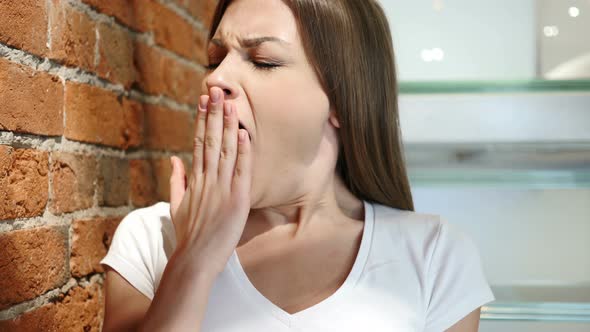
{"x":257,"y":57}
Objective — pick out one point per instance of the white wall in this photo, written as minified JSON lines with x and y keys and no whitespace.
{"x":524,"y":236}
{"x":480,"y":39}
{"x":573,"y":40}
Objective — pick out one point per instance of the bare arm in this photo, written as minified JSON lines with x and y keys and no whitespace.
{"x":125,"y":306}
{"x":180,"y":301}
{"x":469,"y":323}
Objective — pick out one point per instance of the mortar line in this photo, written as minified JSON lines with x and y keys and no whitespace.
{"x":146,"y":37}
{"x":185,"y":14}
{"x":78,"y":75}
{"x":48,"y":9}
{"x":96,"y":47}
{"x":62,"y":144}
{"x":65,"y":219}
{"x":51,"y":295}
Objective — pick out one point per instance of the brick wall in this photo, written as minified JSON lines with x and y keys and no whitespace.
{"x":95,"y":96}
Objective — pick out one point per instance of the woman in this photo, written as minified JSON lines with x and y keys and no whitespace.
{"x":305,"y":222}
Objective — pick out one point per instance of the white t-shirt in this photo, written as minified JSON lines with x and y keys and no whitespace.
{"x":413,"y":272}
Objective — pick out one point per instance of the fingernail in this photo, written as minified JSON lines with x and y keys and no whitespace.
{"x":227,"y":109}
{"x":203,"y":102}
{"x":215,"y":95}
{"x":172,"y":163}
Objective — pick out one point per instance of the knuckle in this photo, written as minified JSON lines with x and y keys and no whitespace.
{"x":211,"y":141}
{"x":227,"y":152}
{"x":214,"y":109}
{"x":198,"y":142}
{"x":239,"y":172}
{"x":228,"y":123}
{"x":192,"y":182}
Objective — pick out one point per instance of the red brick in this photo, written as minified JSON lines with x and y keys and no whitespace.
{"x":73,"y":36}
{"x":200,"y":54}
{"x":166,"y":129}
{"x":5,"y":160}
{"x":23,"y":25}
{"x":73,"y":182}
{"x":23,"y":182}
{"x":183,"y":83}
{"x":32,"y":102}
{"x":182,"y":3}
{"x":33,"y":261}
{"x":150,"y":64}
{"x":175,"y":33}
{"x":170,"y":30}
{"x":203,"y":10}
{"x":99,"y":116}
{"x":80,"y":309}
{"x":113,"y":182}
{"x":116,"y":55}
{"x":160,"y":74}
{"x":162,"y":171}
{"x":143,"y":183}
{"x":135,"y":14}
{"x":90,"y":242}
{"x":152,"y":180}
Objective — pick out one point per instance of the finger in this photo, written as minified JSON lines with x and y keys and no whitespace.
{"x":243,"y":172}
{"x":199,"y":139}
{"x":213,"y":132}
{"x":227,"y":158}
{"x":177,"y":184}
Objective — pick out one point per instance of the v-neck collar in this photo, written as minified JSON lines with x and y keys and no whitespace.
{"x":351,"y":280}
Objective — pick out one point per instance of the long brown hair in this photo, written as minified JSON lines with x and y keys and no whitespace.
{"x":348,"y":42}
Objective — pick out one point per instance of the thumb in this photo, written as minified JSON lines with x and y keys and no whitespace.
{"x":177,"y":184}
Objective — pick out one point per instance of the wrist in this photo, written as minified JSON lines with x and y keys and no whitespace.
{"x":192,"y":267}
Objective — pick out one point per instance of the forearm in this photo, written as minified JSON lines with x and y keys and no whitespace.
{"x":180,"y":300}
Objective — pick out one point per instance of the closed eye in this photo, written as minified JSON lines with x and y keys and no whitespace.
{"x":257,"y":65}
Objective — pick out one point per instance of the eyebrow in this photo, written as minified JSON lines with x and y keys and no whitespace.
{"x":253,"y":42}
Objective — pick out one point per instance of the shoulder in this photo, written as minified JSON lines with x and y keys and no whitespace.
{"x":140,"y":245}
{"x":159,"y":209}
{"x":148,"y":224}
{"x":440,"y":257}
{"x":149,"y":216}
{"x":428,"y":237}
{"x":409,"y":227}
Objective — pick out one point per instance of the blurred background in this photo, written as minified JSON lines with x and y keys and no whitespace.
{"x":495,"y":115}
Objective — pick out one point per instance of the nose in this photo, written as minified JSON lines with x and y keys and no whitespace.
{"x":222,"y":78}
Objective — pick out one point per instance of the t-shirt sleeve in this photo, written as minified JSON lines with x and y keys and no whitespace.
{"x":129,"y":253}
{"x":455,"y":279}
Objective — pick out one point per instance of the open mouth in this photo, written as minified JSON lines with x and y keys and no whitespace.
{"x":241,"y":126}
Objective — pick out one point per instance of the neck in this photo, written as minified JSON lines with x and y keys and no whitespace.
{"x":334,"y":203}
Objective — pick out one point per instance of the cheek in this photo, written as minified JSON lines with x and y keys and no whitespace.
{"x":293,"y":122}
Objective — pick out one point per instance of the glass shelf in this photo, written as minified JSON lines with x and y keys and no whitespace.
{"x":565,"y":303}
{"x":501,"y":178}
{"x":500,"y":86}
{"x":534,"y":311}
{"x":546,"y":165}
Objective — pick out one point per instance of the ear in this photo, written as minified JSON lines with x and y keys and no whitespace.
{"x":334,"y":119}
